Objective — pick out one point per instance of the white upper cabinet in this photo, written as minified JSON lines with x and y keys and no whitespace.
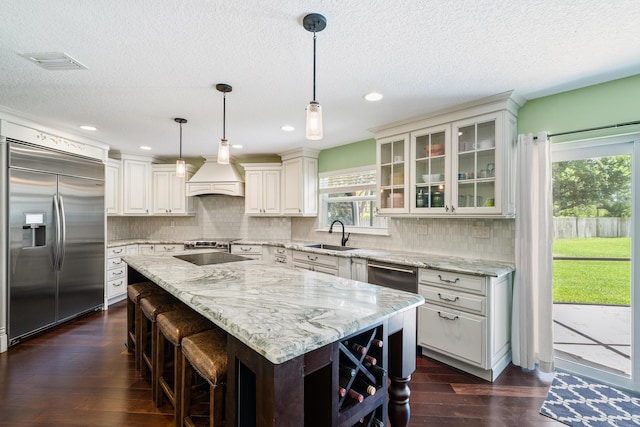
{"x":300,"y":182}
{"x":460,"y":161}
{"x":136,"y":189}
{"x":262,"y":188}
{"x":113,"y":189}
{"x":392,"y":156}
{"x":169,"y":191}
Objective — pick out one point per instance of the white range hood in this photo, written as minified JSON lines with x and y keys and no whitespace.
{"x":214,"y":178}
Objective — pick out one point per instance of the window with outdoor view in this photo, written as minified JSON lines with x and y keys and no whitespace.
{"x":350,"y":196}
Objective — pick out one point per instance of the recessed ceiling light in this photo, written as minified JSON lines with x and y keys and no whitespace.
{"x":145,"y":147}
{"x":236,"y":146}
{"x":87,"y":127}
{"x":373,"y":96}
{"x":288,"y":128}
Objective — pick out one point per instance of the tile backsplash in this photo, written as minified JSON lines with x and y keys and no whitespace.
{"x":490,"y":239}
{"x":216,"y":216}
{"x":223,"y":217}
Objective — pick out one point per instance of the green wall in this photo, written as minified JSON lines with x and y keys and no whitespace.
{"x":356,"y":154}
{"x":609,"y":103}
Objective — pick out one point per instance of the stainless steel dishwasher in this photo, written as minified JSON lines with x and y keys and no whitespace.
{"x":395,"y":276}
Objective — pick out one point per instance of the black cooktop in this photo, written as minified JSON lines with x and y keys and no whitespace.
{"x":209,"y":258}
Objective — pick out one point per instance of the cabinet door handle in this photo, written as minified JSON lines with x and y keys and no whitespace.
{"x":245,"y":249}
{"x":117,"y":251}
{"x":169,"y":248}
{"x":440,"y":315}
{"x":448,"y":280}
{"x":447,"y":299}
{"x":310,"y":258}
{"x":453,"y":209}
{"x":118,"y":273}
{"x":118,"y":284}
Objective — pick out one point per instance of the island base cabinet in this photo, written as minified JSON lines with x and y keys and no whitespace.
{"x":453,"y":332}
{"x":346,"y":383}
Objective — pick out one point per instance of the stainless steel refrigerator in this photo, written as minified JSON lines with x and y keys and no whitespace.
{"x":55,"y":254}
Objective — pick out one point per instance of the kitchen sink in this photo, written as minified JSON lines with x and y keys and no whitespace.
{"x":330,"y":247}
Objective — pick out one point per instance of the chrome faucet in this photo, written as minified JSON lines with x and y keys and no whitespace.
{"x":344,"y":239}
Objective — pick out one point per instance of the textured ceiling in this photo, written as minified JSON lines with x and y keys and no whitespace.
{"x":150,"y":61}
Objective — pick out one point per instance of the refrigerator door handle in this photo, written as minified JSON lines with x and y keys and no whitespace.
{"x":56,"y":249}
{"x":63,"y":239}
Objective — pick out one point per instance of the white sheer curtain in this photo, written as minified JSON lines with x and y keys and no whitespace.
{"x":532,"y":319}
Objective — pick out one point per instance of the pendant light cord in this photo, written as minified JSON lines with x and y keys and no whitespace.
{"x":180,"y":139}
{"x":314,"y":65}
{"x":224,"y":115}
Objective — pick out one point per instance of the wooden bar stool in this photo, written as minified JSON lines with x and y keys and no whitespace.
{"x":206,"y":354}
{"x":172,"y":327}
{"x":135,"y":292}
{"x":151,"y":306}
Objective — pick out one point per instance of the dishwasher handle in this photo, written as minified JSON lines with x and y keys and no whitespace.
{"x":386,"y":267}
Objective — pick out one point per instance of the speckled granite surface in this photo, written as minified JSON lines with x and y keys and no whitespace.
{"x":279,"y":312}
{"x":421,"y":260}
{"x":413,"y":259}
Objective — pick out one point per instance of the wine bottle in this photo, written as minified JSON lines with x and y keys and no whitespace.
{"x":366,"y":387}
{"x":371,"y":360}
{"x":358,"y":348}
{"x":355,"y":395}
{"x":376,"y":370}
{"x":376,"y":422}
{"x":347,"y":371}
{"x":377,"y":343}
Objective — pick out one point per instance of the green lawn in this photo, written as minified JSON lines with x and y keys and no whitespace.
{"x":592,"y":282}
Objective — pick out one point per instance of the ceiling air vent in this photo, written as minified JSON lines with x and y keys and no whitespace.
{"x":54,"y":61}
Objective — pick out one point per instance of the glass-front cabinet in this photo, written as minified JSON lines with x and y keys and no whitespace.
{"x":457,"y":163}
{"x":393,"y":173}
{"x":429,"y":157}
{"x":475,"y":183}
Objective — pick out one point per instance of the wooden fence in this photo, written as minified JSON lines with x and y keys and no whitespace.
{"x":572,"y":227}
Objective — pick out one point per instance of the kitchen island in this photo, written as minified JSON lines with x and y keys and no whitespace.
{"x":288,"y":332}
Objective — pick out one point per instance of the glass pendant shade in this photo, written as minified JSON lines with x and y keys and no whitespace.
{"x":223,"y":152}
{"x":181,"y":168}
{"x":314,"y":121}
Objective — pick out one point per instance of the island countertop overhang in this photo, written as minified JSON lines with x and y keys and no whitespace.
{"x":279,"y":312}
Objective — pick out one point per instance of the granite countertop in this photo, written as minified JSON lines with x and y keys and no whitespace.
{"x":279,"y":312}
{"x":452,"y":264}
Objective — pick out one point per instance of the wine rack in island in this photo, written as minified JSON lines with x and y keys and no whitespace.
{"x":362,"y":379}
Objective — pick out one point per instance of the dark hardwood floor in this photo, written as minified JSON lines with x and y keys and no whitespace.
{"x":80,"y":374}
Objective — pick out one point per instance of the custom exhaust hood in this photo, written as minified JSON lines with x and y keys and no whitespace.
{"x":216,"y":178}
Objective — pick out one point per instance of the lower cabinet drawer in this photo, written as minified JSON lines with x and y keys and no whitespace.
{"x":453,"y":281}
{"x":167,"y":248}
{"x":316,"y":259}
{"x":116,"y":273}
{"x":453,"y":333}
{"x":115,"y":263}
{"x":468,"y":302}
{"x":311,"y":267}
{"x":116,"y":287}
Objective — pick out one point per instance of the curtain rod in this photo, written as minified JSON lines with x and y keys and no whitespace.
{"x":637,"y":122}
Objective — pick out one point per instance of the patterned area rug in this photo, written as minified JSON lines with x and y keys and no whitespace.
{"x":577,"y":402}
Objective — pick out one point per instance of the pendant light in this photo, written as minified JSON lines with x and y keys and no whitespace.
{"x":181,"y":167}
{"x":314,"y":22}
{"x":223,"y":148}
